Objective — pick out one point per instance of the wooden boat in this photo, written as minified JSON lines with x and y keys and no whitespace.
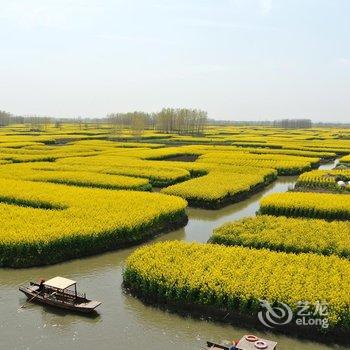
{"x":248,"y":342}
{"x":215,"y":346}
{"x":56,"y":292}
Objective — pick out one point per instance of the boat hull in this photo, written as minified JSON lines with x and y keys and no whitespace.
{"x":84,"y":307}
{"x":215,"y":346}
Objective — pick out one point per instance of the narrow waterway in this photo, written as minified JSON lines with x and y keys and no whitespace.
{"x":123,"y":321}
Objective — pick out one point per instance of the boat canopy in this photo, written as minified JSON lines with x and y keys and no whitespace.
{"x":59,"y":283}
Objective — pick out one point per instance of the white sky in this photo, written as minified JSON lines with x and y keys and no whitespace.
{"x":237,"y":59}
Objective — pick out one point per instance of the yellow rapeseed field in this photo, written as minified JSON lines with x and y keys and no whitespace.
{"x":345,"y":159}
{"x":235,"y":278}
{"x":287,"y":234}
{"x":219,"y":187}
{"x":129,"y":166}
{"x":324,"y":180}
{"x":43,"y":172}
{"x":284,"y":164}
{"x":45,"y":223}
{"x":53,"y":207}
{"x":315,"y":205}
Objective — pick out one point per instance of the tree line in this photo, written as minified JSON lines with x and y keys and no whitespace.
{"x":35,"y":123}
{"x":182,"y":121}
{"x":168,"y":120}
{"x":5,"y":118}
{"x":293,"y":123}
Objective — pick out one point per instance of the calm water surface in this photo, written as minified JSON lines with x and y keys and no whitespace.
{"x":123,"y":322}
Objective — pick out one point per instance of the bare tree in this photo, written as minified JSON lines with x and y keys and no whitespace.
{"x":137,"y":125}
{"x":181,"y":121}
{"x":5,"y":118}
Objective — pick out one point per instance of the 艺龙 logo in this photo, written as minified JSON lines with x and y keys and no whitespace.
{"x":305,"y":314}
{"x":271,"y":316}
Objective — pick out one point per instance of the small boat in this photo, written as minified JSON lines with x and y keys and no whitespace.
{"x":215,"y":346}
{"x":248,"y":342}
{"x":56,"y":292}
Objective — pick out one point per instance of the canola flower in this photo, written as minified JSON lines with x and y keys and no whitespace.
{"x":324,"y":180}
{"x":88,"y":179}
{"x":345,"y":159}
{"x":235,"y":278}
{"x":315,"y":139}
{"x":19,"y":158}
{"x":315,"y":205}
{"x":44,"y":153}
{"x":129,"y":166}
{"x":11,"y":143}
{"x":219,"y":187}
{"x":287,"y":234}
{"x":42,"y":173}
{"x":285,"y":165}
{"x":165,"y":173}
{"x":43,"y":223}
{"x":106,"y":144}
{"x":292,"y":152}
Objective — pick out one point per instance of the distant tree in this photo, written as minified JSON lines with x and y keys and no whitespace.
{"x":5,"y":118}
{"x":293,"y":123}
{"x":35,"y":123}
{"x":58,"y":124}
{"x":78,"y":121}
{"x":115,"y":120}
{"x":136,"y":121}
{"x":181,"y":121}
{"x":137,"y":125}
{"x":46,"y":122}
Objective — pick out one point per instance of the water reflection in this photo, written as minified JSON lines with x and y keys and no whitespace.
{"x":329,"y":165}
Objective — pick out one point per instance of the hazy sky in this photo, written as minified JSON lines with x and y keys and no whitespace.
{"x":237,"y":59}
